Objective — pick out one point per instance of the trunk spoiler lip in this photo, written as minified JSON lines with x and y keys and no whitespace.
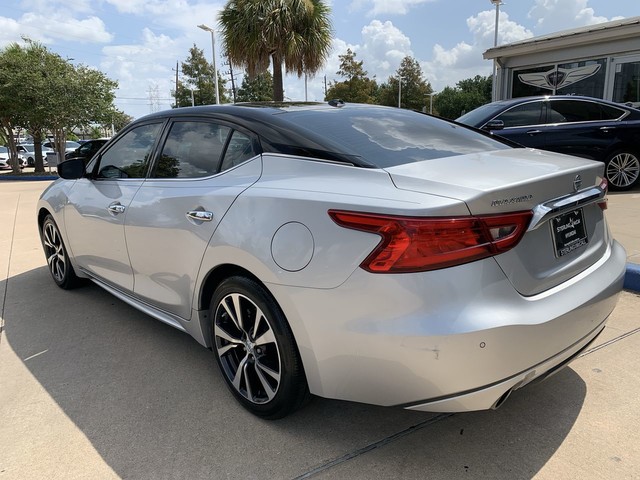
{"x":565,"y":203}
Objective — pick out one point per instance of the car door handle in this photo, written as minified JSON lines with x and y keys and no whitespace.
{"x":606,"y":129}
{"x":200,"y":215}
{"x":533,"y":132}
{"x":116,"y":208}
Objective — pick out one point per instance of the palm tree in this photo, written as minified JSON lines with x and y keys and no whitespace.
{"x":293,"y":33}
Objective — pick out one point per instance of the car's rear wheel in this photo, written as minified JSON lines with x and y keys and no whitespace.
{"x":622,"y":169}
{"x":255,"y":349}
{"x":57,"y":258}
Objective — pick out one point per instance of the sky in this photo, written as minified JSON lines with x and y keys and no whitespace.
{"x":138,"y":42}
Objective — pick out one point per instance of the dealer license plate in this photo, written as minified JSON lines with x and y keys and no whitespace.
{"x":569,"y":232}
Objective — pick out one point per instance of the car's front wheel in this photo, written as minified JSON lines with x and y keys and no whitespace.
{"x":57,"y":258}
{"x":622,"y":169}
{"x":255,"y":349}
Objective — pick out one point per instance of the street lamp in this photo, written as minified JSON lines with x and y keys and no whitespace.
{"x":431,"y":102}
{"x":213,"y":50}
{"x":494,"y":83}
{"x":400,"y":77}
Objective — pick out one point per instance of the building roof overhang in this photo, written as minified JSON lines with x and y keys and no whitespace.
{"x":598,"y":33}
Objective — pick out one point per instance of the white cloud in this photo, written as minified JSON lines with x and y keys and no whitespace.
{"x":51,"y":21}
{"x":386,"y":7}
{"x":464,"y":60}
{"x":384,"y":47}
{"x":59,"y":26}
{"x":141,"y":67}
{"x":554,"y":15}
{"x":179,"y":14}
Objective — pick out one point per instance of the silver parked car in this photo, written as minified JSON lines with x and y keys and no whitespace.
{"x":353,"y":252}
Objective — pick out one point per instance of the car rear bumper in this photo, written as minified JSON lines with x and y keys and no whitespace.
{"x":455,"y":339}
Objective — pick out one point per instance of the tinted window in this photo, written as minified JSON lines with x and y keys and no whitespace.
{"x":192,"y":149}
{"x":240,"y":148}
{"x":567,"y":111}
{"x":611,"y":113}
{"x":522,"y":115}
{"x":386,"y":137}
{"x":128,"y":157}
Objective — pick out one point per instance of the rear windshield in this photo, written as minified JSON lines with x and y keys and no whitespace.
{"x":387,"y":137}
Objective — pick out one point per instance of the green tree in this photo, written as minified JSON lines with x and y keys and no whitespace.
{"x":356,"y":87}
{"x":464,"y":97}
{"x":197,"y":77}
{"x":41,"y":91}
{"x":258,"y":89}
{"x":414,"y":89}
{"x":294,"y":34}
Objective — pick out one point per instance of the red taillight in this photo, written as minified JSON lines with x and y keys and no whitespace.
{"x":418,"y":244}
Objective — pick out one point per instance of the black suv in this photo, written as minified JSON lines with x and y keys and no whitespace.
{"x":87,"y":150}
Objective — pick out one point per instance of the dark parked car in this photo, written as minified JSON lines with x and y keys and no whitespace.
{"x":87,"y":150}
{"x":582,"y":126}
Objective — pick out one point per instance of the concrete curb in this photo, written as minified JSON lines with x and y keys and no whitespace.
{"x":632,"y":278}
{"x":28,"y":178}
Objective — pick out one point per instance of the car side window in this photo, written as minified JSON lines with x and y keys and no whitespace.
{"x":522,"y":115}
{"x":129,"y":156}
{"x":611,"y":113}
{"x":569,"y":111}
{"x":240,"y":148}
{"x":192,"y":150}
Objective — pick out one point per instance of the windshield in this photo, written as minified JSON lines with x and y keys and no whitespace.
{"x":3,"y":150}
{"x":480,"y":116}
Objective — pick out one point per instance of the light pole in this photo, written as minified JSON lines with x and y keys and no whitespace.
{"x":494,"y":82}
{"x":213,"y":50}
{"x":400,"y":77}
{"x":431,"y":102}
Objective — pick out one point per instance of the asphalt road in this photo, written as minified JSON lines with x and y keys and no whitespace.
{"x":92,"y":389}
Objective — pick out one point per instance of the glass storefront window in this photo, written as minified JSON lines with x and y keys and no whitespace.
{"x":585,"y":77}
{"x":626,"y":86}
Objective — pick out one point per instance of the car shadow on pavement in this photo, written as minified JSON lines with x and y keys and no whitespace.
{"x":152,"y":403}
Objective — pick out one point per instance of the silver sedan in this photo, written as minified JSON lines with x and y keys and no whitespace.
{"x":353,"y":252}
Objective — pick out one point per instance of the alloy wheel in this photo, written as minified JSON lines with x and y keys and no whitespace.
{"x":54,"y":252}
{"x":247,"y":348}
{"x":623,"y":170}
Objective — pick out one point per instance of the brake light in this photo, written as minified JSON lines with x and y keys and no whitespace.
{"x":418,"y":244}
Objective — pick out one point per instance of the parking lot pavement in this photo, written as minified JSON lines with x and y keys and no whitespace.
{"x":91,"y":388}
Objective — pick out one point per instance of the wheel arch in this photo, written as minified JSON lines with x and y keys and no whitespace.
{"x":217,"y":275}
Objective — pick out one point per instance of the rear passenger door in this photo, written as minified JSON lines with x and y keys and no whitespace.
{"x":581,"y":128}
{"x":203,"y":165}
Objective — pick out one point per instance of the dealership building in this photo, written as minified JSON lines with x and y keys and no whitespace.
{"x":601,"y":60}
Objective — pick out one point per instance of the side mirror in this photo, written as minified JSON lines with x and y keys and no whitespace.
{"x":493,"y":125}
{"x":72,"y":169}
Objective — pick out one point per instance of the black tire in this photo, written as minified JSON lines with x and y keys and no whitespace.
{"x":57,"y":257}
{"x":260,"y":345}
{"x":622,"y":169}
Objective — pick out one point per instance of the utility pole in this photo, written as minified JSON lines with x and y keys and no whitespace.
{"x":233,"y":80}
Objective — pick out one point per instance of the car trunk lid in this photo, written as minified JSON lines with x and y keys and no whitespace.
{"x":568,"y":232}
